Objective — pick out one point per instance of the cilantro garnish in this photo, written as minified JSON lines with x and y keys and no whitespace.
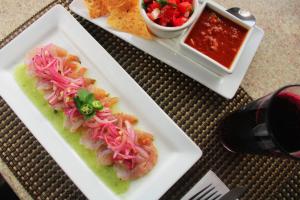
{"x":162,"y":2}
{"x":86,"y":104}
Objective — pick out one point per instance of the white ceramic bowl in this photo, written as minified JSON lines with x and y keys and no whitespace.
{"x":208,"y":62}
{"x":168,"y":32}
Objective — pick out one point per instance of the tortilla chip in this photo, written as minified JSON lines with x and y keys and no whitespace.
{"x":127,"y":18}
{"x":96,"y":8}
{"x":120,"y":3}
{"x":113,"y":4}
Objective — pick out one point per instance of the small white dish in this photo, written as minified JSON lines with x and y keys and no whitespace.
{"x":212,"y":64}
{"x":170,"y":52}
{"x":168,"y":32}
{"x":176,"y":151}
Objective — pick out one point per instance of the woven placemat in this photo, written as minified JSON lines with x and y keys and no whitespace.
{"x":196,"y":109}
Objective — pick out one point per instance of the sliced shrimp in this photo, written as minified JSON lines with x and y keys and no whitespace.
{"x":87,"y":141}
{"x":70,"y":62}
{"x":58,"y":51}
{"x":144,"y":138}
{"x":109,"y":101}
{"x":74,"y":125}
{"x":89,"y":81}
{"x":72,"y":58}
{"x":82,"y":71}
{"x":99,"y":93}
{"x":130,"y":118}
{"x":43,"y":85}
{"x":72,"y":66}
{"x":144,"y":163}
{"x":105,"y":155}
{"x":76,"y":73}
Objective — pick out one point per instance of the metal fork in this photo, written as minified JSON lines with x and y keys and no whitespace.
{"x":207,"y":193}
{"x":209,"y":187}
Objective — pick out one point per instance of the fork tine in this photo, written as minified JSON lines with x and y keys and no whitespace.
{"x":195,"y":195}
{"x":203,"y":195}
{"x":212,"y":194}
{"x":216,"y":197}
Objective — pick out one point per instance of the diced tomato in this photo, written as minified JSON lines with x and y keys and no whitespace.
{"x":184,"y":7}
{"x":169,"y":12}
{"x":172,"y":3}
{"x":190,"y":1}
{"x":176,"y":13}
{"x":179,"y":21}
{"x":152,"y":6}
{"x":166,"y":14}
{"x":163,"y":21}
{"x":187,"y":14}
{"x":150,"y":16}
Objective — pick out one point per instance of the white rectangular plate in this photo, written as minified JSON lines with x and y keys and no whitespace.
{"x":169,"y":51}
{"x":177,"y":153}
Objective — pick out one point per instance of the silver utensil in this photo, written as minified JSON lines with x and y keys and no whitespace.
{"x":209,"y":187}
{"x":233,"y":194}
{"x":207,"y":193}
{"x":244,"y":15}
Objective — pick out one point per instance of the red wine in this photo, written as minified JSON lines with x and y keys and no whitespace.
{"x":270,"y":124}
{"x":236,"y":132}
{"x":285,"y":121}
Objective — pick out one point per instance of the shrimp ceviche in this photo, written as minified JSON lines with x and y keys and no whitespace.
{"x":87,"y":109}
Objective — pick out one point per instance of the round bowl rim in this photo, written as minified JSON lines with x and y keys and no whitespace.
{"x":170,"y":29}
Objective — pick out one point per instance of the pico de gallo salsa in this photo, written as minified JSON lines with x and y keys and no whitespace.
{"x":217,"y":37}
{"x":169,"y":13}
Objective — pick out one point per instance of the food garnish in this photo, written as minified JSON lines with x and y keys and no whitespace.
{"x":170,"y":13}
{"x":87,"y":109}
{"x":86,"y":104}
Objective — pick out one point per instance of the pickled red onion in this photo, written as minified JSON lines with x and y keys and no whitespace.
{"x":53,"y":77}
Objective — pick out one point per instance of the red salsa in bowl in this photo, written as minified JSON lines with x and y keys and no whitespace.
{"x":217,"y":37}
{"x":168,"y":13}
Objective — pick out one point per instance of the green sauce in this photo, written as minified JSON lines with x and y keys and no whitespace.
{"x":106,"y":174}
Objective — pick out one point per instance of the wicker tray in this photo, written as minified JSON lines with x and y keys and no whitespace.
{"x":196,"y":109}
